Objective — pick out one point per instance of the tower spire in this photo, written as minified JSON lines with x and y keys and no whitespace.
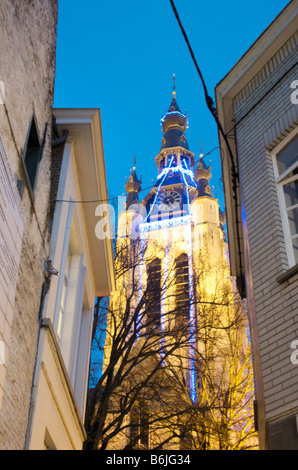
{"x":174,"y":85}
{"x":203,"y":175}
{"x":174,"y":124}
{"x":133,"y":186}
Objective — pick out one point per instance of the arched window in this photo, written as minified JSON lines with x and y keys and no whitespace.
{"x":153,"y":294}
{"x":182,"y":289}
{"x":185,"y":162}
{"x":172,"y":158}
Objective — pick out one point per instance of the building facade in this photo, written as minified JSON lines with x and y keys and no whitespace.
{"x":257,"y":106}
{"x":176,"y":298}
{"x":52,"y":263}
{"x":82,"y":268}
{"x":27,"y":85}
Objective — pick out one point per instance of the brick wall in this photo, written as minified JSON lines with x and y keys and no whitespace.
{"x":57,"y":156}
{"x":27,"y":69}
{"x":265,"y":115}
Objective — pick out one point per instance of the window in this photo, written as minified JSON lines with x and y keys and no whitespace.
{"x":285,"y":159}
{"x":153,"y":294}
{"x":63,"y":297}
{"x":32,"y":153}
{"x":182,"y":289}
{"x":185,"y":438}
{"x":184,"y":162}
{"x":139,"y":425}
{"x":172,"y":158}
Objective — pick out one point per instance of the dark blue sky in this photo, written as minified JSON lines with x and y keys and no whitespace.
{"x":120,"y":56}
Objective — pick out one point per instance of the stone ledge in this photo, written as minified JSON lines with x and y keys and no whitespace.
{"x":287,"y":274}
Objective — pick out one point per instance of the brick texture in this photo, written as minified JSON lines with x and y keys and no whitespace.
{"x":264,"y":104}
{"x":27,"y":69}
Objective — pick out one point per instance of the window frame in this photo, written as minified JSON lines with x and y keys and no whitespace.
{"x":39,"y":151}
{"x":182,"y":292}
{"x":25,"y":152}
{"x":154,"y":291}
{"x":280,"y":181}
{"x":64,"y":293}
{"x":139,"y":428}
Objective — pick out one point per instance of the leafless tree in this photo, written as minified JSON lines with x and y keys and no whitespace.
{"x":164,"y":371}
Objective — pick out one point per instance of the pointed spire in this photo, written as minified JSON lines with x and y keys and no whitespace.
{"x":133,"y":186}
{"x":174,"y":124}
{"x":174,"y":105}
{"x":202,"y":176}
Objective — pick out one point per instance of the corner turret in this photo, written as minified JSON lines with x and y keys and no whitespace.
{"x":133,"y":187}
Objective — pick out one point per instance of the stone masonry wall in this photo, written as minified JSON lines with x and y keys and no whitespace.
{"x":27,"y":70}
{"x":264,"y":116}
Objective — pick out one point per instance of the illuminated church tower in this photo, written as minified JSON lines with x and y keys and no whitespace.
{"x":181,"y":265}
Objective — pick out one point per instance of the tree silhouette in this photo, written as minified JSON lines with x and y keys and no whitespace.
{"x":170,"y":379}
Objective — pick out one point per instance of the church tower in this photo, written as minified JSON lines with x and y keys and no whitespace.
{"x":175,"y":241}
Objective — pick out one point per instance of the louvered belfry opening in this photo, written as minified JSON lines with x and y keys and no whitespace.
{"x":181,"y":290}
{"x":139,"y":425}
{"x":153,"y":294}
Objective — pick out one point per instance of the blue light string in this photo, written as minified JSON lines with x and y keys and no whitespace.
{"x":191,"y":310}
{"x":192,"y":329}
{"x":140,"y":285}
{"x":165,"y":224}
{"x":190,"y":173}
{"x":164,"y":293}
{"x":157,"y":192}
{"x":176,"y":169}
{"x":156,"y":225}
{"x":173,"y":112}
{"x":160,"y":224}
{"x":187,"y":193}
{"x":185,"y":164}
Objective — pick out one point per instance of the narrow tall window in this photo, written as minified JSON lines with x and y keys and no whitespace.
{"x":185,"y":438}
{"x":162,"y":164}
{"x":182,"y":290}
{"x":286,"y":172}
{"x":153,"y":294}
{"x":63,"y":297}
{"x":32,"y":153}
{"x":172,"y":158}
{"x":184,"y":162}
{"x":139,"y":425}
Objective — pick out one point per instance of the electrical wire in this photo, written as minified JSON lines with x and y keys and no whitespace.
{"x":115,"y":197}
{"x":208,"y":99}
{"x":212,"y":109}
{"x":90,"y":201}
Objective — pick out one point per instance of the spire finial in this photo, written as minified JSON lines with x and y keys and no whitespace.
{"x":201,"y":154}
{"x":133,"y":185}
{"x":174,"y":86}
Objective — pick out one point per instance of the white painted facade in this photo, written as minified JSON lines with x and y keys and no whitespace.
{"x":85,"y":270}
